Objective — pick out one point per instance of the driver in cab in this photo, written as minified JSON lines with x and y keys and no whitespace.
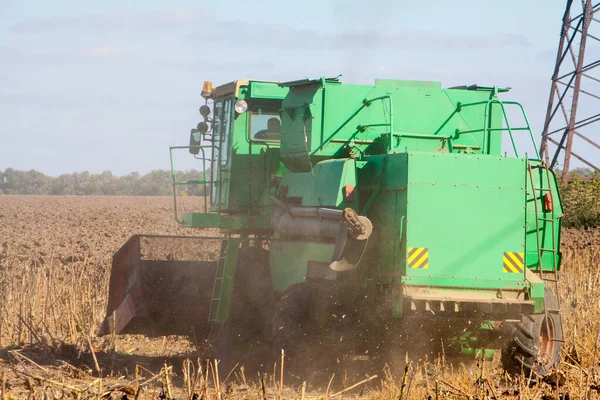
{"x":273,"y":131}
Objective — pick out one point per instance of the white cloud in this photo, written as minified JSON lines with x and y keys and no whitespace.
{"x":165,"y":19}
{"x":110,"y":53}
{"x":286,"y":37}
{"x":106,"y":53}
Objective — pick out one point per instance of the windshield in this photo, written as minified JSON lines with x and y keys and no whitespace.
{"x":222,"y":111}
{"x":265,"y":122}
{"x":222,"y":127}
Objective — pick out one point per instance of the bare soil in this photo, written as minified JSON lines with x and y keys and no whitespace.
{"x":55,"y":260}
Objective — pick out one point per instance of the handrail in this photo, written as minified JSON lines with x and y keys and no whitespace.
{"x":510,"y":130}
{"x":202,"y":181}
{"x":487,"y":129}
{"x":366,"y":103}
{"x":422,"y":135}
{"x":487,"y":118}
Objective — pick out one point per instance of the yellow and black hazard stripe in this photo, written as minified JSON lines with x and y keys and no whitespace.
{"x":418,"y":257}
{"x":513,"y":262}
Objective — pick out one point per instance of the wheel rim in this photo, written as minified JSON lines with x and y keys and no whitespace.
{"x":547,"y":340}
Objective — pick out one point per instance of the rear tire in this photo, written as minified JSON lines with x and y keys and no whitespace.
{"x":535,"y":342}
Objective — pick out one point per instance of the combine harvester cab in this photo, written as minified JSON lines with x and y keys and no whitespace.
{"x":163,"y":285}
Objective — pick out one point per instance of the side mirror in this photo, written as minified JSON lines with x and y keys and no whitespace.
{"x":195,"y":139}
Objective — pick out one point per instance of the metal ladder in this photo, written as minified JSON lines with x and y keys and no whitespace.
{"x":538,"y":194}
{"x":218,"y":283}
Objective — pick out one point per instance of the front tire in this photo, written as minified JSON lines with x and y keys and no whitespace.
{"x":535,"y":342}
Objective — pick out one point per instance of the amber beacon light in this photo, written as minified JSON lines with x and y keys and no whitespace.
{"x":207,"y":89}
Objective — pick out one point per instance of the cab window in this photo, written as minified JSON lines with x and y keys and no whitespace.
{"x":265,"y":123}
{"x":222,"y":115}
{"x":222,"y":127}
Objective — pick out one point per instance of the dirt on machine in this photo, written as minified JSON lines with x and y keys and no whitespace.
{"x":344,"y":222}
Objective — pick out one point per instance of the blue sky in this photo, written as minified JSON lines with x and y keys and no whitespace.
{"x":110,"y":85}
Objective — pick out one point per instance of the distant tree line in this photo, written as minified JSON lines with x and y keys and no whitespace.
{"x":580,"y":196}
{"x":155,"y":183}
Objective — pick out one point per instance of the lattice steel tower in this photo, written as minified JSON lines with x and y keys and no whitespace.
{"x":574,"y":103}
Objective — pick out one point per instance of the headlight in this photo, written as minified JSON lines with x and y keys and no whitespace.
{"x":205,"y":111}
{"x":202,"y":127}
{"x":241,"y":106}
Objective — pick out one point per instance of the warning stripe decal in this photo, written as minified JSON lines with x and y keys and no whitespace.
{"x":418,"y":257}
{"x":512,"y":262}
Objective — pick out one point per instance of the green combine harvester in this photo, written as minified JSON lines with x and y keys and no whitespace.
{"x":355,"y":218}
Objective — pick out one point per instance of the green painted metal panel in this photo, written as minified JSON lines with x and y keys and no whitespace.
{"x":464,"y":284}
{"x":391,"y":223}
{"x":471,"y":119}
{"x":333,"y":120}
{"x":537,"y":290}
{"x":227,"y":222}
{"x":404,"y":83}
{"x":322,"y":187}
{"x":267,"y":90}
{"x":467,"y":212}
{"x":388,"y":212}
{"x":205,"y":220}
{"x":289,"y":260}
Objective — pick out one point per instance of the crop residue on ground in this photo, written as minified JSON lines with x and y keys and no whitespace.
{"x":55,"y":259}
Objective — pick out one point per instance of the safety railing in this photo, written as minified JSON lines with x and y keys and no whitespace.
{"x":361,"y":128}
{"x":487,"y":119}
{"x":207,"y":184}
{"x":487,"y":126}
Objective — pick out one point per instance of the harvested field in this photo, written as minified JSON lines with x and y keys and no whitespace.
{"x":55,"y":259}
